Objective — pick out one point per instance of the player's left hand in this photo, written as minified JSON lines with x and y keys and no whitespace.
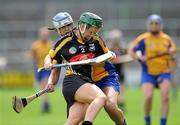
{"x":113,"y":55}
{"x":50,"y":87}
{"x":48,"y":66}
{"x":172,"y":51}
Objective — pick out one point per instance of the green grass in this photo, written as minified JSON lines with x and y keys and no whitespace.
{"x":31,"y":114}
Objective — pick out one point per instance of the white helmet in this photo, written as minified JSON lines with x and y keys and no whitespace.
{"x":115,"y":34}
{"x":62,"y":19}
{"x":155,"y":18}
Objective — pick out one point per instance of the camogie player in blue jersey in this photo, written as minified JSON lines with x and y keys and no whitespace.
{"x":156,"y":48}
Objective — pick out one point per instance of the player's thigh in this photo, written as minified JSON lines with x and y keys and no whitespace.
{"x":112,"y":95}
{"x":88,"y":92}
{"x":165,"y":87}
{"x":44,"y":78}
{"x":77,"y":111}
{"x":148,"y":89}
{"x":43,"y":82}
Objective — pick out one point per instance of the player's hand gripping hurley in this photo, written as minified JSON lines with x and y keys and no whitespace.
{"x":98,"y":59}
{"x":20,"y":103}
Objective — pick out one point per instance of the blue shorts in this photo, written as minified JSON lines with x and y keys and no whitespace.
{"x":109,"y":81}
{"x":155,"y":79}
{"x":42,"y":75}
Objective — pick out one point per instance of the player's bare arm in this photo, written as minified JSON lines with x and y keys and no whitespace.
{"x":48,"y":62}
{"x":53,"y":78}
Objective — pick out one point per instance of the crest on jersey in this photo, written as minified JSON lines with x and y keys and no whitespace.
{"x":150,"y":45}
{"x":72,"y":50}
{"x":91,"y":47}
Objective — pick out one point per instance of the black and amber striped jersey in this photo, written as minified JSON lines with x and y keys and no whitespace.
{"x":70,"y":49}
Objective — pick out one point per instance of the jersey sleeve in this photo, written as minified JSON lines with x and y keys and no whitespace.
{"x":102,"y":44}
{"x":172,"y":45}
{"x":138,"y":45}
{"x":56,"y":52}
{"x":33,"y":46}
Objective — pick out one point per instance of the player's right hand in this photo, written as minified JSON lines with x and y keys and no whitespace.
{"x":48,"y":66}
{"x":50,"y":87}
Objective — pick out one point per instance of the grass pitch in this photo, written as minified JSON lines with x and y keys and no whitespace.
{"x":31,"y":115}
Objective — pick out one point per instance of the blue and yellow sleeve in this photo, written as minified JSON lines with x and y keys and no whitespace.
{"x":138,"y":45}
{"x":171,"y":42}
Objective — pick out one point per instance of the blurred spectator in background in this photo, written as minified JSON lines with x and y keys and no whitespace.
{"x":39,"y":50}
{"x":115,"y":39}
{"x":156,"y":48}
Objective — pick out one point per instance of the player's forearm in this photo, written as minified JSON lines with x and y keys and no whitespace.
{"x":173,"y":52}
{"x":47,"y":59}
{"x":54,"y":76}
{"x":132,"y":54}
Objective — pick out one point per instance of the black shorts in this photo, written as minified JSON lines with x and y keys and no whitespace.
{"x":120,"y":71}
{"x":71,"y":84}
{"x":121,"y":78}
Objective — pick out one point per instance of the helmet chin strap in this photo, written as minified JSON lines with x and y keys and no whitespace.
{"x":82,"y":30}
{"x":58,"y":31}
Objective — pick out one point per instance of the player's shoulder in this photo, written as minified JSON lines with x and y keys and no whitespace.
{"x":36,"y":44}
{"x":98,"y":39}
{"x":142,"y":36}
{"x":64,"y":39}
{"x":165,"y":36}
{"x":101,"y":42}
{"x":50,"y":42}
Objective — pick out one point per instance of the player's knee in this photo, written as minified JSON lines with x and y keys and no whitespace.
{"x":165,"y":99}
{"x":148,"y":97}
{"x":110,"y":106}
{"x":101,"y":99}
